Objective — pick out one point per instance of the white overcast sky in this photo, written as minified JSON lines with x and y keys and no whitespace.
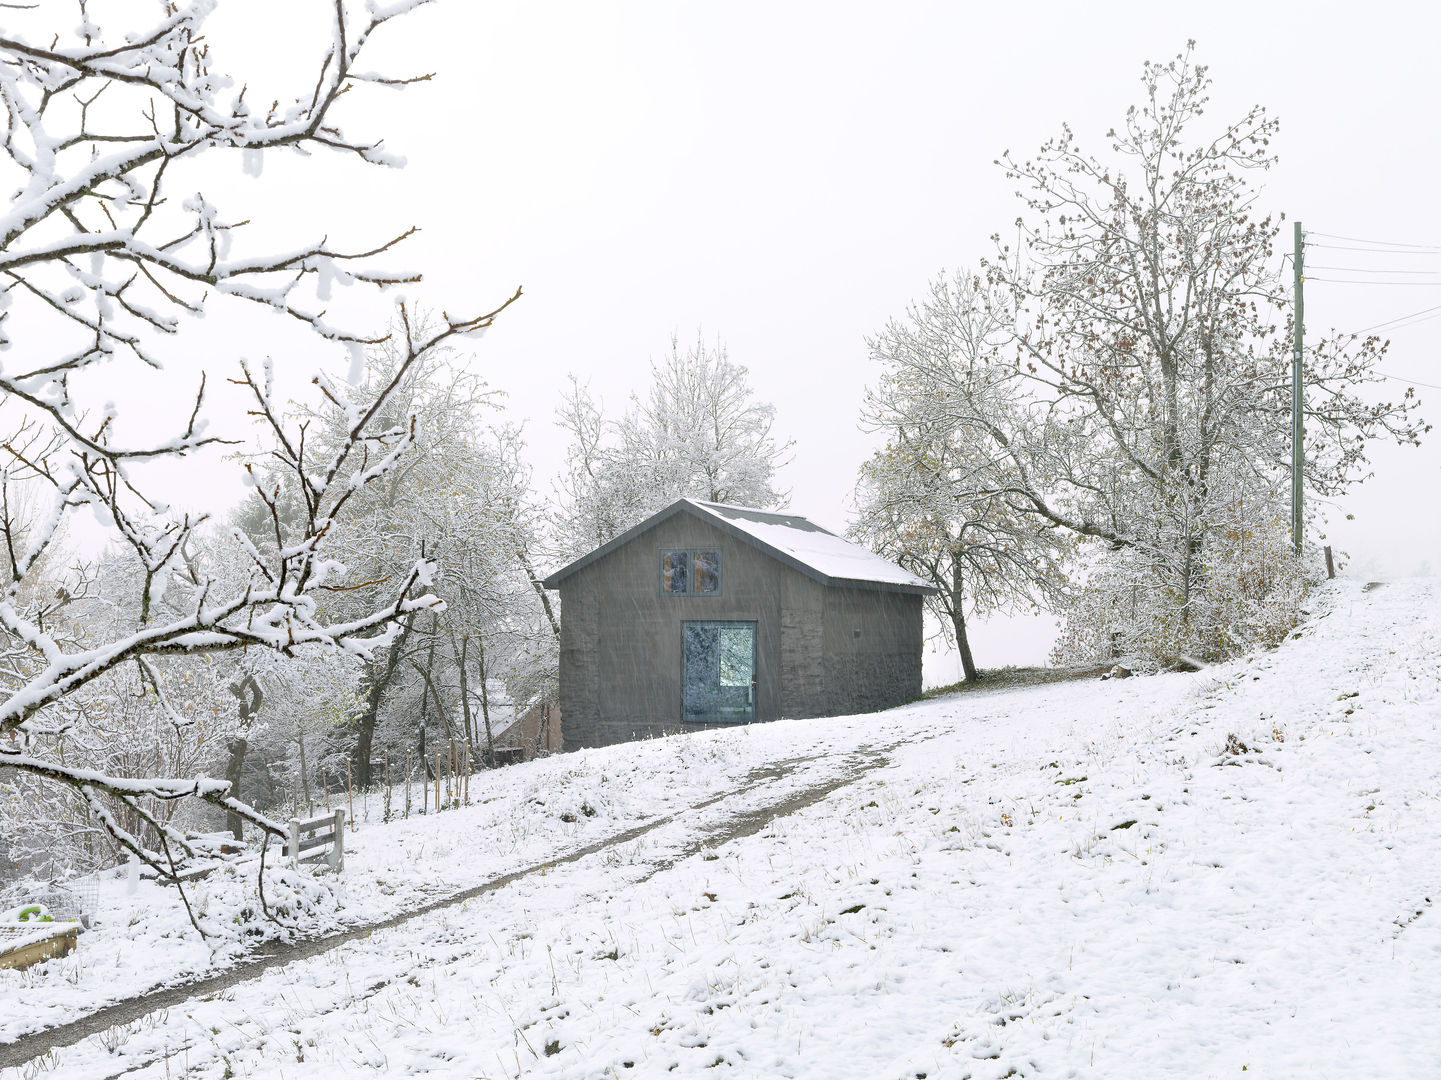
{"x":787,"y":176}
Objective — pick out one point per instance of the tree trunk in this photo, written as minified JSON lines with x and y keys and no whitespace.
{"x":365,"y":736}
{"x":250,"y":696}
{"x":544,"y":596}
{"x":958,"y":621}
{"x":963,"y":646}
{"x":424,"y":713}
{"x":485,"y":703}
{"x":439,"y":705}
{"x":304,"y":776}
{"x":236,"y":749}
{"x":466,"y":717}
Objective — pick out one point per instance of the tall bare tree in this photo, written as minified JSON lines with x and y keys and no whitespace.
{"x":1140,"y":393}
{"x":938,"y":498}
{"x":698,"y":433}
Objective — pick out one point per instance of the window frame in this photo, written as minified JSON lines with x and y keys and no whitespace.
{"x":691,"y":553}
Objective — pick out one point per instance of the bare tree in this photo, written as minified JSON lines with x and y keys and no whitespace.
{"x":1148,"y":309}
{"x":462,"y":498}
{"x":697,"y":434}
{"x":1139,"y":393}
{"x":939,"y":498}
{"x":389,"y":524}
{"x":98,"y":263}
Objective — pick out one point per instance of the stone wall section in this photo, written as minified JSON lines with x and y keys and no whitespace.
{"x":802,"y":690}
{"x":579,"y":634}
{"x":872,"y":646}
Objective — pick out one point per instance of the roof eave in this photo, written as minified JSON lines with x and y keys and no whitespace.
{"x":553,"y":581}
{"x":700,"y":511}
{"x":883,"y":586}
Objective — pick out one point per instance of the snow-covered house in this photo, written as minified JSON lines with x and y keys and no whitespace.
{"x":706,"y":614}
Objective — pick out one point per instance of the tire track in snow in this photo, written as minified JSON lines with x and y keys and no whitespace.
{"x":859,"y":763}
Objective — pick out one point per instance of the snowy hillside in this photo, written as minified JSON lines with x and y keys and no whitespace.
{"x":1188,"y":875}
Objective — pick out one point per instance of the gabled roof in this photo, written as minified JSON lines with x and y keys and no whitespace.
{"x":789,"y":538}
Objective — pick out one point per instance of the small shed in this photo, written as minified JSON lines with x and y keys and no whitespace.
{"x":534,"y":731}
{"x":706,"y":614}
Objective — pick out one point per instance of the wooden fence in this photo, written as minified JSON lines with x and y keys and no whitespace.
{"x":326,"y":831}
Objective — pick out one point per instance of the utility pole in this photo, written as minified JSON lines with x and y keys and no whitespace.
{"x":1297,"y":397}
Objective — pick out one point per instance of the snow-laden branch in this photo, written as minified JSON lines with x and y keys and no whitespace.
{"x":106,"y":248}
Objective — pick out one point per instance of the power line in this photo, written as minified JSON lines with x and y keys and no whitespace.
{"x":1354,"y":281}
{"x":1414,"y":322}
{"x":1375,"y":250}
{"x":1409,"y":382}
{"x":1404,"y":319}
{"x":1377,"y":243}
{"x":1364,"y":270}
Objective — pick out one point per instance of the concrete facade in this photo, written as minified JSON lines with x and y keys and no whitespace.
{"x":820,"y":649}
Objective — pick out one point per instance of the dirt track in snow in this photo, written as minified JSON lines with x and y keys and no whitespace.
{"x":728,"y":827}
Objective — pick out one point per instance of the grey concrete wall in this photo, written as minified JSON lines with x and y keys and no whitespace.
{"x":802,"y":663}
{"x":871,"y":646}
{"x":579,"y":637}
{"x":627,"y":684}
{"x":620,"y":650}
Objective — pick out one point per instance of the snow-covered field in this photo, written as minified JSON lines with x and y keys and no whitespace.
{"x":1072,"y":880}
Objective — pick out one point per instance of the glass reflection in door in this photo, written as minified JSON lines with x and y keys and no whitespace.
{"x":718,"y":679}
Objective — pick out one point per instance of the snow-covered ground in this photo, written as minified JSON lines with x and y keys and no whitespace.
{"x":1073,"y":880}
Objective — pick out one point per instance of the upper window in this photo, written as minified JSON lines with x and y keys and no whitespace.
{"x":690,"y":572}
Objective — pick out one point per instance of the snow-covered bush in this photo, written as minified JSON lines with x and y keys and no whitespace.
{"x":1248,"y":595}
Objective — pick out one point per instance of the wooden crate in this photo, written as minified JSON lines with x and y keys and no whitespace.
{"x":21,"y":946}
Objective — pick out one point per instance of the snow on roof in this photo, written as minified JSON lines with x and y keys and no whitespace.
{"x":833,"y":557}
{"x":794,"y":540}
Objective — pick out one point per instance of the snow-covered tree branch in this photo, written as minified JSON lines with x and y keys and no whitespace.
{"x":943,"y":498}
{"x":1126,"y":369}
{"x":105,"y":253}
{"x":698,"y":434}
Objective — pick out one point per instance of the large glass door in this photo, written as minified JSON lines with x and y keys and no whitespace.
{"x":718,"y":678}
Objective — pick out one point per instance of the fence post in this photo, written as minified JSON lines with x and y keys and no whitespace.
{"x":294,"y":851}
{"x":1330,"y":566}
{"x":337,"y":848}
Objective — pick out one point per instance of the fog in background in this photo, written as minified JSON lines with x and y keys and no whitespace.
{"x":787,"y":177}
